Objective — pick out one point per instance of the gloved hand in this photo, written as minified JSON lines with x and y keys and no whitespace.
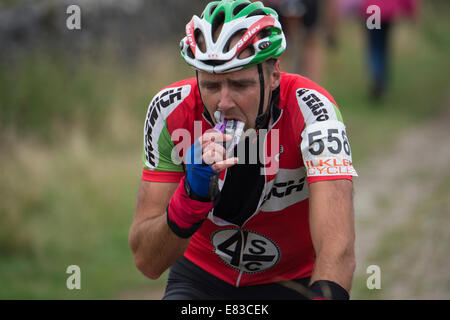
{"x":201,"y":180}
{"x":194,"y":197}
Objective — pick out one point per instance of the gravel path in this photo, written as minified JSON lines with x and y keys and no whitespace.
{"x":388,"y":194}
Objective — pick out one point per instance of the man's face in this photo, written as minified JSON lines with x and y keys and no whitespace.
{"x":237,"y":94}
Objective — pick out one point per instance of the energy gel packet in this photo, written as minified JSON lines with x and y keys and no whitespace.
{"x":234,"y":128}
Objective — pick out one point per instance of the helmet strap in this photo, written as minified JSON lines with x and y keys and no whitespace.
{"x":261,"y":118}
{"x":205,"y":111}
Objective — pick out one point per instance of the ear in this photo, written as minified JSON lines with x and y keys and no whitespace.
{"x":275,"y":76}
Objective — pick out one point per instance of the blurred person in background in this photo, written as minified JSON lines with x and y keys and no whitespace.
{"x":281,"y":215}
{"x":308,"y":24}
{"x":379,"y":39}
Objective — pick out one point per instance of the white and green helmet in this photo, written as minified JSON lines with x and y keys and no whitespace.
{"x":261,"y":32}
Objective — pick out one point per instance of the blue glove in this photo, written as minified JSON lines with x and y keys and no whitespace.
{"x":201,"y":179}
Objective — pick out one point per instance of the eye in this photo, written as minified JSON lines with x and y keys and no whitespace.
{"x":211,"y":86}
{"x":240,"y":85}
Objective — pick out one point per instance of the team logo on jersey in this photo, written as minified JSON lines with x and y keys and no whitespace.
{"x":244,"y":250}
{"x":162,"y":105}
{"x":288,"y":188}
{"x":315,"y":107}
{"x":314,"y":104}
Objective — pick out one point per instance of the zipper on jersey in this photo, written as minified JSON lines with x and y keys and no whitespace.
{"x":241,"y":255}
{"x":263,"y":194}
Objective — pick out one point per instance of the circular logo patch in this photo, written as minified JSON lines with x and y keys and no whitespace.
{"x":245,"y":250}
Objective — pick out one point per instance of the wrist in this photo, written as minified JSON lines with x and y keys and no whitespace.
{"x":185,"y":215}
{"x":201,"y":181}
{"x":328,"y":290}
{"x":183,"y":233}
{"x":192,"y":194}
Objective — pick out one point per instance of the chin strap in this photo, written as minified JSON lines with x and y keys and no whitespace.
{"x":261,"y":118}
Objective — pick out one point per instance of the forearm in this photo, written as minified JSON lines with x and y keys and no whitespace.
{"x":332,"y":231}
{"x":155,"y":246}
{"x":335,"y":264}
{"x":167,"y":215}
{"x":158,"y":238}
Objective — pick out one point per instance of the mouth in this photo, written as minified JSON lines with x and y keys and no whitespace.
{"x":220,"y":117}
{"x":234,"y":118}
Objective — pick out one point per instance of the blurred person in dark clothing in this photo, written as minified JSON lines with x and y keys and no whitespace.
{"x":378,"y":38}
{"x":303,"y":21}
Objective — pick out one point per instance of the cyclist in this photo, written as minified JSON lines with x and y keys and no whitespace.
{"x":229,"y":224}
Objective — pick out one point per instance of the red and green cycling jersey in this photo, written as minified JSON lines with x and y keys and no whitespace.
{"x":259,"y":231}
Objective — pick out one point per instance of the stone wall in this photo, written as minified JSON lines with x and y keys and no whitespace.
{"x":129,"y":25}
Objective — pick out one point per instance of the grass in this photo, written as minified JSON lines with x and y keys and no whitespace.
{"x":413,"y":256}
{"x":71,"y":138}
{"x":72,"y":205}
{"x":70,"y":178}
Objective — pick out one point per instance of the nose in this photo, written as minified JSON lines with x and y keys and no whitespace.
{"x":226,"y":101}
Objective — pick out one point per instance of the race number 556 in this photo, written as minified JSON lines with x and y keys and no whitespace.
{"x":337,"y":141}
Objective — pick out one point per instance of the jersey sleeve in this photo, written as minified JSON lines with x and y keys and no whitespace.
{"x":161,"y":161}
{"x":324,"y":145}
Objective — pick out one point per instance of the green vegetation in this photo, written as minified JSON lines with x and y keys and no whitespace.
{"x":417,"y":247}
{"x":71,"y":163}
{"x":71,"y":137}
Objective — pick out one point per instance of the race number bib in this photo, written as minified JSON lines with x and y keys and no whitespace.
{"x":326,"y":150}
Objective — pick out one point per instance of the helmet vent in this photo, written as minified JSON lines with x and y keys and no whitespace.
{"x":247,"y":52}
{"x":216,"y":24}
{"x":189,"y":53}
{"x":258,"y":12}
{"x":238,"y":34}
{"x":213,"y":62}
{"x":266,"y":32}
{"x":212,"y":9}
{"x":200,"y":40}
{"x":239,"y":8}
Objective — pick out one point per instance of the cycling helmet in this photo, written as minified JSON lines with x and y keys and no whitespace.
{"x":258,"y":26}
